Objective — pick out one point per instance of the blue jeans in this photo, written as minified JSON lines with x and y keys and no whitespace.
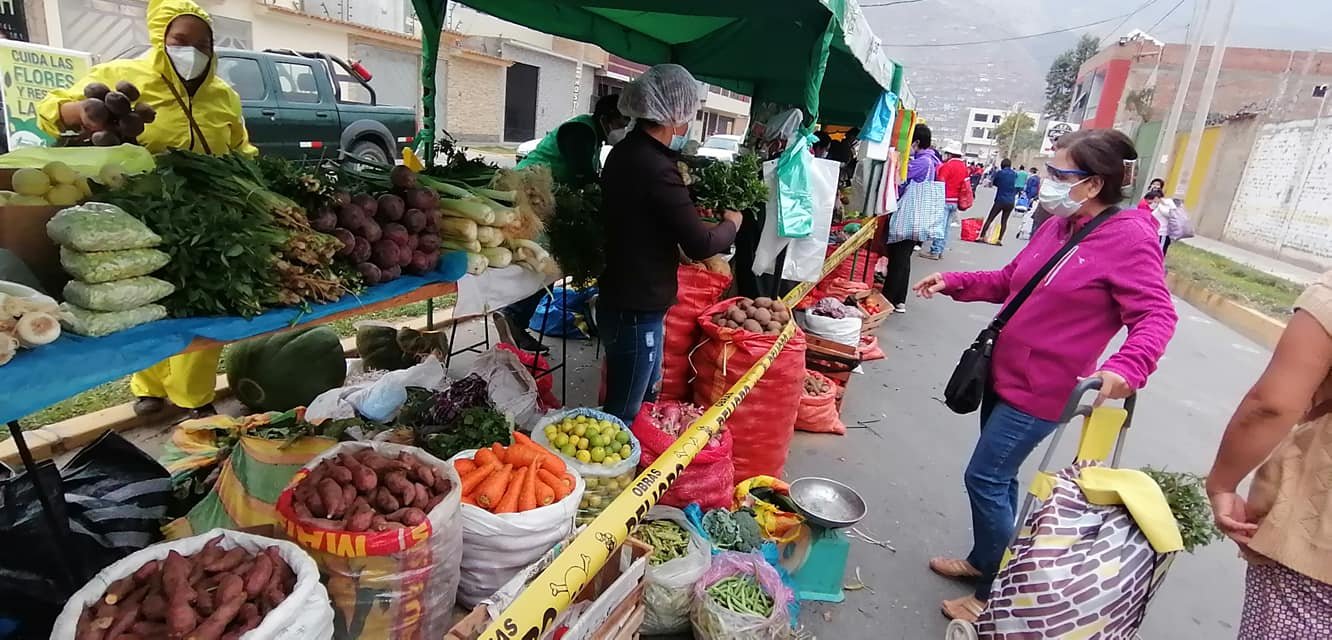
{"x":1007,"y":437}
{"x":939,"y":244}
{"x":633,"y":358}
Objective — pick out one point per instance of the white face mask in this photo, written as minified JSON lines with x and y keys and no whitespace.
{"x":1054,"y":197}
{"x":189,"y":62}
{"x":615,"y":136}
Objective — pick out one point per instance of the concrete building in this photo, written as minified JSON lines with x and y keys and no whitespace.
{"x":978,"y":133}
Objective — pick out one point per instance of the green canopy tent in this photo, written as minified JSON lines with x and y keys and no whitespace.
{"x":819,"y":54}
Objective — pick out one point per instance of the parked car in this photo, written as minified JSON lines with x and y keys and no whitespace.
{"x":531,"y":145}
{"x":721,"y":146}
{"x":311,"y":105}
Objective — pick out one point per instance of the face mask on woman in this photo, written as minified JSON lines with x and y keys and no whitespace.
{"x":614,"y":136}
{"x":189,"y":62}
{"x":679,"y":141}
{"x":1054,"y":197}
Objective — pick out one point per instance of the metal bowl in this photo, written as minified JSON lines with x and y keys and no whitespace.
{"x":828,"y":503}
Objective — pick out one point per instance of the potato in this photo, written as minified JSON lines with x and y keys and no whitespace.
{"x":736,"y":314}
{"x":752,"y":325}
{"x":763,"y":303}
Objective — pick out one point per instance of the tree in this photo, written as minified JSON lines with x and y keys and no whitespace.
{"x":1063,"y":76}
{"x":1016,"y":135}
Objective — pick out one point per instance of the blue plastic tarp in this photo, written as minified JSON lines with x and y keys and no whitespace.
{"x":39,"y":378}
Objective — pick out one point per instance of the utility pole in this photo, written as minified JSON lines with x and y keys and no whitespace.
{"x":1012,"y":135}
{"x":1165,"y":144}
{"x":1204,"y":105}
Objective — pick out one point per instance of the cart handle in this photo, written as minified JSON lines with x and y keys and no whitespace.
{"x":1076,"y":408}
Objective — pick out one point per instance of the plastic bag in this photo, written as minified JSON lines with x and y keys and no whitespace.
{"x":697,"y":289}
{"x":95,"y":324}
{"x":97,"y":226}
{"x":391,"y":584}
{"x":794,"y":196}
{"x":379,"y":400}
{"x":545,"y":385}
{"x":603,"y":483}
{"x":495,"y":547}
{"x":304,"y":614}
{"x":668,"y":591}
{"x":563,"y":312}
{"x":511,"y":386}
{"x":971,"y":228}
{"x":109,"y":498}
{"x":818,"y":412}
{"x":708,"y":480}
{"x":88,"y":161}
{"x":118,"y":295}
{"x":105,"y":266}
{"x":764,"y":426}
{"x":712,"y":621}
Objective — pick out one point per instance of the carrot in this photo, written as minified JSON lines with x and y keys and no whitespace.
{"x":464,"y":465}
{"x":468,"y":500}
{"x":509,"y":503}
{"x":492,"y":489}
{"x":545,"y":494}
{"x":484,"y":457}
{"x":500,"y":452}
{"x":524,"y":454}
{"x":527,"y":499}
{"x":552,"y":463}
{"x":560,"y":486}
{"x":521,"y":438}
{"x":473,"y":479}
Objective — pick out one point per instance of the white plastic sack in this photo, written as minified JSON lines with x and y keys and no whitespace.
{"x":305,"y":614}
{"x":378,"y":400}
{"x":840,"y":330}
{"x":669,"y":591}
{"x":496,"y":546}
{"x":804,"y":256}
{"x":511,"y":386}
{"x":391,"y":584}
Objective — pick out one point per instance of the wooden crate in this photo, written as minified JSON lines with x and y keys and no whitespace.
{"x":872,"y":319}
{"x":621,"y":613}
{"x":826,"y":347}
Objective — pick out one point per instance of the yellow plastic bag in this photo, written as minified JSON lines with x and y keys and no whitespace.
{"x":777,"y":524}
{"x":85,"y":160}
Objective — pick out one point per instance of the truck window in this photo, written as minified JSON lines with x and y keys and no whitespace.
{"x":244,"y":75}
{"x":296,"y":82}
{"x":349,"y":90}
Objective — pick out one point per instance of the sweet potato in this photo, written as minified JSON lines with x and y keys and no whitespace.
{"x":407,"y":495}
{"x":363,"y":477}
{"x":348,"y":496}
{"x":229,"y":561}
{"x":434,"y":502}
{"x":230,"y":598}
{"x":316,"y":505}
{"x":331,"y":494}
{"x":412,"y":517}
{"x":359,"y":519}
{"x":339,"y":473}
{"x":376,"y":461}
{"x":422,"y":497}
{"x":146,"y":629}
{"x":181,"y":618}
{"x":204,"y":604}
{"x":118,"y":590}
{"x":212,"y":550}
{"x":302,"y":511}
{"x":154,"y":607}
{"x":148,"y":571}
{"x":422,"y":473}
{"x":396,"y":481}
{"x":384,"y":501}
{"x":125,"y":618}
{"x":175,"y":572}
{"x":257,"y":578}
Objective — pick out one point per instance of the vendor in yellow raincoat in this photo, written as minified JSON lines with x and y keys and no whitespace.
{"x":197,"y":111}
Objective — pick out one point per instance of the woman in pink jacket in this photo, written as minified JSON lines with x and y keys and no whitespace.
{"x":1114,"y":278}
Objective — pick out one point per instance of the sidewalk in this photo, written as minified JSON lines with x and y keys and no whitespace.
{"x":1271,"y":266}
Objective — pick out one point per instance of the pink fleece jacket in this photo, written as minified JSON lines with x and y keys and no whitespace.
{"x":1114,"y":278}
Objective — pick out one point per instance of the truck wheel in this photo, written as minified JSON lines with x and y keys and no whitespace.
{"x":371,"y":151}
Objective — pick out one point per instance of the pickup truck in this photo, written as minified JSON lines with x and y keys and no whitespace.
{"x":312,"y":105}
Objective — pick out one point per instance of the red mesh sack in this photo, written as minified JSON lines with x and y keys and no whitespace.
{"x":971,"y":228}
{"x":545,"y":384}
{"x":697,"y":288}
{"x":864,"y":260}
{"x":709,"y":480}
{"x":818,"y":409}
{"x":869,"y":349}
{"x":764,"y":423}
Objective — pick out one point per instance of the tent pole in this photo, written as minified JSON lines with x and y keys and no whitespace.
{"x":430,"y":13}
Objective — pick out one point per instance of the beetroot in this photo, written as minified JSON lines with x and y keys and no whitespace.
{"x":361,"y":252}
{"x":402,"y":178}
{"x":397,"y":233}
{"x":427,"y":242}
{"x":432,"y":221}
{"x":348,"y":241}
{"x":391,"y":273}
{"x":420,"y":199}
{"x":324,"y":221}
{"x":343,"y":198}
{"x":350,"y":216}
{"x":370,"y":273}
{"x":386,"y":253}
{"x":370,"y":230}
{"x":420,"y":263}
{"x":404,"y":256}
{"x":414,"y":220}
{"x":390,"y":208}
{"x":367,"y":203}
{"x":413,"y":242}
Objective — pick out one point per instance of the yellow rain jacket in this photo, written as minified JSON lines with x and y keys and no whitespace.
{"x":208,"y":122}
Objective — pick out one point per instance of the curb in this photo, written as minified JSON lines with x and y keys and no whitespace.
{"x":77,"y":432}
{"x":1251,"y":323}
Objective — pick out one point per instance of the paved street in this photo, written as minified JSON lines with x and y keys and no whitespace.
{"x":909,"y":465}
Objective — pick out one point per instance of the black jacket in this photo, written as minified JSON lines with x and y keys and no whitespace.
{"x":648,"y":214}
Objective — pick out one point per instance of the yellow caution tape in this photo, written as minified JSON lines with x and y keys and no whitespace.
{"x":554,"y":589}
{"x":852,"y":244}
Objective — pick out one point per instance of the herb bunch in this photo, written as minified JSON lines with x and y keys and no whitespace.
{"x":577,"y":233}
{"x":718,"y":186}
{"x":1188,"y":502}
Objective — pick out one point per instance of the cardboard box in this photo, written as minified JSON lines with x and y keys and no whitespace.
{"x":23,"y":233}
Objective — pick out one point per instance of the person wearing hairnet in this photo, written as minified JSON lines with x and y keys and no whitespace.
{"x":195,"y":110}
{"x":649,"y":219}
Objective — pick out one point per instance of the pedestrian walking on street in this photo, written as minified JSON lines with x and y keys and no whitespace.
{"x":1055,"y":337}
{"x":976,"y":174}
{"x":1005,"y":197}
{"x":923,"y":166}
{"x":1157,"y":184}
{"x":1284,"y":529}
{"x":953,"y":173}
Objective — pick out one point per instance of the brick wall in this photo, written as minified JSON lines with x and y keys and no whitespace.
{"x":475,"y":99}
{"x":1283,"y":204}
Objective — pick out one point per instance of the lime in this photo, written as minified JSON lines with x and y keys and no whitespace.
{"x":584,"y":443}
{"x":611,"y":460}
{"x":552,"y":429}
{"x":598,"y":454}
{"x":560,"y":440}
{"x":585,"y":502}
{"x":569,"y":450}
{"x":622,"y":437}
{"x":608,"y":425}
{"x":580,"y":430}
{"x":584,"y":456}
{"x":592,"y":429}
{"x":591,"y":482}
{"x":566,"y":427}
{"x":595,"y":502}
{"x":581,"y":418}
{"x":596,"y":441}
{"x":626,"y":451}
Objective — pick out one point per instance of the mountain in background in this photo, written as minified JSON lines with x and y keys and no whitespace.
{"x":949,"y":80}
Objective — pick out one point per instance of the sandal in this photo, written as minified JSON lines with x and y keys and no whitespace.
{"x":967,"y":609}
{"x":954,"y":568}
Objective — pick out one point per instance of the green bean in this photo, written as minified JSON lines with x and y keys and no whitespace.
{"x":741,"y":594}
{"x":669,"y":540}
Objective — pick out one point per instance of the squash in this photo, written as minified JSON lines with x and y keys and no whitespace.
{"x":377,"y":344}
{"x":286,"y":370}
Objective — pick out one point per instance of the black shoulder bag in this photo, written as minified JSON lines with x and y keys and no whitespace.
{"x":966,"y":387}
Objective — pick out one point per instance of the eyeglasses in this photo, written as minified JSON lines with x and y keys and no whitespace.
{"x":1060,"y":174}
